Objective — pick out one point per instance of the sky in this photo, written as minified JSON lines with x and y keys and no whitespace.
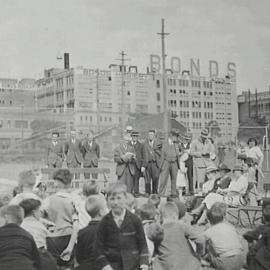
{"x":94,"y":32}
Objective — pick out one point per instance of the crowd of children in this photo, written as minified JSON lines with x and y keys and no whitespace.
{"x":90,"y":230}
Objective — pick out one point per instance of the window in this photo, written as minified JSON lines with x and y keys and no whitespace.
{"x":21,"y":124}
{"x":158,"y":83}
{"x":158,"y":96}
{"x":158,"y":108}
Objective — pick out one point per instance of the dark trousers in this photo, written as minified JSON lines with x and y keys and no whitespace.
{"x":151,"y":178}
{"x":168,"y":169}
{"x":56,"y":245}
{"x":189,"y":165}
{"x":74,"y":165}
{"x":87,"y":175}
{"x":136,"y":179}
{"x":127,"y":179}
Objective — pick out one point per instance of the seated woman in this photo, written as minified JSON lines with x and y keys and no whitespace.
{"x":231,"y":195}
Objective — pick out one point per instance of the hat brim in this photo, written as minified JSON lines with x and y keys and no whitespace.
{"x":224,"y":169}
{"x":211,"y":171}
{"x":204,"y":136}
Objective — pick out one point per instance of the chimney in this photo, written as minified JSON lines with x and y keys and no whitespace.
{"x":66,"y":60}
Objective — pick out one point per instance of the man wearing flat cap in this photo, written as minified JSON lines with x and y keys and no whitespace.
{"x":140,"y":161}
{"x":201,"y":152}
{"x":169,"y":163}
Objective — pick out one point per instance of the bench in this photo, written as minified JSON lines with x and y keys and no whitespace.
{"x":76,"y":183}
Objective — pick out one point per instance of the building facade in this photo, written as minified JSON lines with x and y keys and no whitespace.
{"x":17,"y":106}
{"x":254,"y":105}
{"x":95,"y":98}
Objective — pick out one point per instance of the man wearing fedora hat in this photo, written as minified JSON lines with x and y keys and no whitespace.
{"x":201,"y":152}
{"x":169,"y":163}
{"x":124,"y":156}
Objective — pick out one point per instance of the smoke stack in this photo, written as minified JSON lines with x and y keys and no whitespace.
{"x":66,"y":60}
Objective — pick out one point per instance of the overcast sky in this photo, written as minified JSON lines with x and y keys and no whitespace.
{"x":33,"y":32}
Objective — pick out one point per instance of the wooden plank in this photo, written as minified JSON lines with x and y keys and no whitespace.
{"x":78,"y":170}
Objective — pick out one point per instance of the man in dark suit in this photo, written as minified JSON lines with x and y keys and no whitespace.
{"x":55,"y":152}
{"x":140,"y":161}
{"x":152,"y":149}
{"x":185,"y":147}
{"x":124,"y":156}
{"x":91,"y":154}
{"x":169,"y":163}
{"x":73,"y":152}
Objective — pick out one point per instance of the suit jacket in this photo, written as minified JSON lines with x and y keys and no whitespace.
{"x":55,"y":154}
{"x":164,"y":152}
{"x":122,"y":165}
{"x":124,"y":248}
{"x":85,"y":247}
{"x":91,"y":154}
{"x":18,"y":249}
{"x":140,"y":152}
{"x":152,"y":153}
{"x":73,"y":152}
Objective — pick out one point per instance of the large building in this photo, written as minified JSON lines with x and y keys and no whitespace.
{"x":254,"y":105}
{"x":94,"y":98}
{"x":17,"y":106}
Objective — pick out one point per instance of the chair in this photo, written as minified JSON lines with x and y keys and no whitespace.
{"x":266,"y":188}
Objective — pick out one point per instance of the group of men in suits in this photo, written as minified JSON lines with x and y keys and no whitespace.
{"x":75,"y":152}
{"x":154,"y":160}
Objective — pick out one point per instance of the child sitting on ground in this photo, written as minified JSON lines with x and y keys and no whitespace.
{"x":120,"y":242}
{"x":79,"y":198}
{"x":96,"y":208}
{"x":154,"y":199}
{"x":224,"y":248}
{"x":31,"y":222}
{"x":148,"y":214}
{"x":174,"y":251}
{"x":18,"y":250}
{"x":258,"y":257}
{"x":27,"y":181}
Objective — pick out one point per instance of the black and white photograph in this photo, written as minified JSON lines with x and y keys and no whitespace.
{"x":134,"y":135}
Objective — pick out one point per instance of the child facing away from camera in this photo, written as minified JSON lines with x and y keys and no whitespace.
{"x":148,"y":214}
{"x":258,"y":257}
{"x":174,"y":251}
{"x":18,"y":250}
{"x":96,"y":207}
{"x":26,"y":184}
{"x":224,"y":249}
{"x":59,"y":209}
{"x":79,"y":198}
{"x":120,"y":242}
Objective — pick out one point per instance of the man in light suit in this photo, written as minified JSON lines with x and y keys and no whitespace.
{"x":124,"y":156}
{"x":91,"y":154}
{"x":152,"y":155}
{"x":73,"y":152}
{"x":140,"y":161}
{"x":201,"y":150}
{"x":169,"y":163}
{"x":55,"y":152}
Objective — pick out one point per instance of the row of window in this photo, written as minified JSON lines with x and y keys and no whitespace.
{"x":17,"y":124}
{"x":3,"y":102}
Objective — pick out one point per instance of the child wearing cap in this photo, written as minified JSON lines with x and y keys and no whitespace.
{"x":224,"y":249}
{"x":96,"y":207}
{"x":18,"y":250}
{"x":59,"y":209}
{"x":120,"y":243}
{"x":174,"y":251}
{"x":258,"y":257}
